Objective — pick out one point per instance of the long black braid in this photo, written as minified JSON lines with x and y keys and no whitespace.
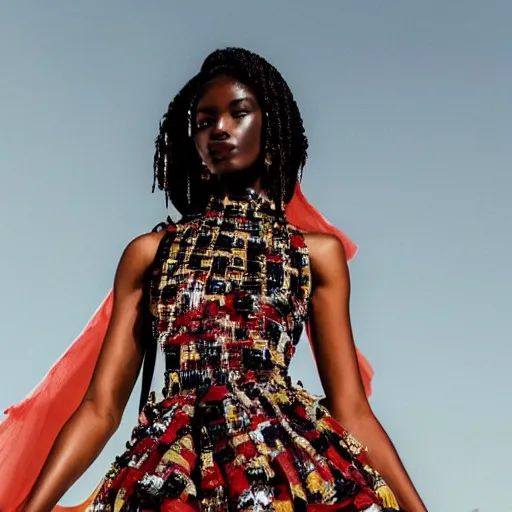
{"x":283,"y":134}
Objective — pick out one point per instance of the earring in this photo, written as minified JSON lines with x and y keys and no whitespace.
{"x":205,"y":173}
{"x":268,"y":161}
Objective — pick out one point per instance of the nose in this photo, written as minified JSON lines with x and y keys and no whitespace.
{"x":221,"y":129}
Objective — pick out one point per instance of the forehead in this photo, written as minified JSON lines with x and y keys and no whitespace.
{"x":223,"y":90}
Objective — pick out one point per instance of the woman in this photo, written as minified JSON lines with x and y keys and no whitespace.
{"x":227,"y":291}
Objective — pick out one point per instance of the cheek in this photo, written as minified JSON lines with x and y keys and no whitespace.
{"x":201,"y":142}
{"x":251,"y":138}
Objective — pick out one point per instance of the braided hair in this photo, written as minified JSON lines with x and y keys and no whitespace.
{"x":177,"y":165}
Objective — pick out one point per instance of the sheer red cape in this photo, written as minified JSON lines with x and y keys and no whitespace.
{"x":28,"y":431}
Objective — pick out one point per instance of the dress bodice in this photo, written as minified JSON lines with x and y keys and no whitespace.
{"x":230,"y":295}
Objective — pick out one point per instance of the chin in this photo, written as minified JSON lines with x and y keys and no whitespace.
{"x":227,"y":167}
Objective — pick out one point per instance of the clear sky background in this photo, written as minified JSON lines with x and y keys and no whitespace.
{"x":408,"y":108}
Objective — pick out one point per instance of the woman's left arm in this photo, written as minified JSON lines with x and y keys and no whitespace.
{"x":336,"y":358}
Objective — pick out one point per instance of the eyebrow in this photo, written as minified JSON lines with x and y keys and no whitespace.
{"x":208,"y":109}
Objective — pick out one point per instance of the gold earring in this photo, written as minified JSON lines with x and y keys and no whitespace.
{"x":205,"y":173}
{"x":268,"y":161}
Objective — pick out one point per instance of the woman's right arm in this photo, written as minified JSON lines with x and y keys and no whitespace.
{"x":87,"y":431}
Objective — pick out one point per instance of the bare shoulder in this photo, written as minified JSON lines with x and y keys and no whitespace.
{"x":140,"y":253}
{"x":145,"y":245}
{"x":327,"y":256}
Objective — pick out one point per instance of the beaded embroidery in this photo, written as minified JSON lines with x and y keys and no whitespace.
{"x":231,"y":297}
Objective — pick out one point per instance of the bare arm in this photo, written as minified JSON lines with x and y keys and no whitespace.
{"x":87,"y":431}
{"x":338,"y":368}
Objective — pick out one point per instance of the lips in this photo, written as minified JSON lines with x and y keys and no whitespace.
{"x":220,"y":150}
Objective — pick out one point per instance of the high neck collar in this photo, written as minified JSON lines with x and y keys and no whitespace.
{"x":243,"y":203}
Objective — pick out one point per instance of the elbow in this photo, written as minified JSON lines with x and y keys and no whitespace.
{"x":351,"y":413}
{"x":105,"y":415}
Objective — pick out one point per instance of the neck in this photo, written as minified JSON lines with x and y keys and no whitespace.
{"x":237,"y":183}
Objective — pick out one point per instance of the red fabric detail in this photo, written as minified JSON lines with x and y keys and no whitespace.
{"x":180,"y":419}
{"x":178,"y":506}
{"x":215,"y":393}
{"x":212,"y":478}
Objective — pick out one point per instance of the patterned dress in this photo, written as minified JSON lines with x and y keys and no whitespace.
{"x":224,"y":428}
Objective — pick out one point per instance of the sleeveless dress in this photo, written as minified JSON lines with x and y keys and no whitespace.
{"x":224,"y":428}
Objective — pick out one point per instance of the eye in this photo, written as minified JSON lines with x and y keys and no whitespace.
{"x":204,"y":122}
{"x":240,"y":113}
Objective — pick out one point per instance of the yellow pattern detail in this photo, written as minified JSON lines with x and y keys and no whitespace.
{"x":261,"y":462}
{"x":387,"y":497}
{"x":187,"y":442}
{"x":282,"y":506}
{"x":316,"y":483}
{"x":298,"y":492}
{"x":118,"y":504}
{"x":206,"y":460}
{"x":239,"y":439}
{"x":172,"y":455}
{"x":231,"y":414}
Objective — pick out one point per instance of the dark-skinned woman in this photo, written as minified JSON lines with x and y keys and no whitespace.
{"x":212,"y":307}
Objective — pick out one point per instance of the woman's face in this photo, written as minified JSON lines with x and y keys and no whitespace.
{"x":228,"y":126}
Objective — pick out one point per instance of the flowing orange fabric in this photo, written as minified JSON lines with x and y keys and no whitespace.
{"x":28,"y":432}
{"x":301,"y":213}
{"x":30,"y":428}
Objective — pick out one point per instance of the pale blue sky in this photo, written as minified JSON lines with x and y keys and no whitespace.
{"x":408,"y":109}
